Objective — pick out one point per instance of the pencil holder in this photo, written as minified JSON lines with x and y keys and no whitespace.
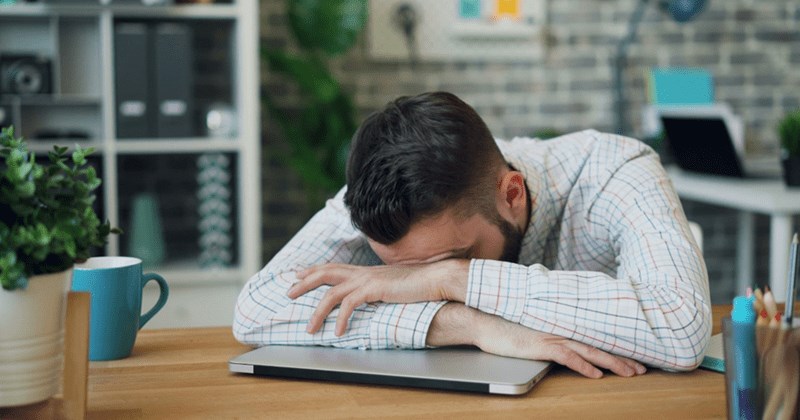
{"x":779,"y":372}
{"x":762,"y":371}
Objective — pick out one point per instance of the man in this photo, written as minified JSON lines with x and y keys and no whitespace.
{"x":574,"y":249}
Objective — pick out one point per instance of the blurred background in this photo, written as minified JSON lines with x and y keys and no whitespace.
{"x":566,"y":83}
{"x":222,"y":126}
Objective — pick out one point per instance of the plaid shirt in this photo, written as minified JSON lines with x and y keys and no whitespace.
{"x":608,"y":260}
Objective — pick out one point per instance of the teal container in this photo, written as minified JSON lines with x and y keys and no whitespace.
{"x":146,"y":235}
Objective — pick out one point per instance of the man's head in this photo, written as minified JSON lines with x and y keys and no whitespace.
{"x":426,"y":181}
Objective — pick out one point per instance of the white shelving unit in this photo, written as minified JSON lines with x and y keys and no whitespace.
{"x":78,"y":37}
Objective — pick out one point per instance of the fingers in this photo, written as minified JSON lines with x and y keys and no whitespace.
{"x":348,"y":297}
{"x":344,"y":293}
{"x":333,"y":297}
{"x":311,"y":278}
{"x":574,"y":361}
{"x":346,"y":308}
{"x":324,"y":308}
{"x":616,"y":364}
{"x":638,"y":367}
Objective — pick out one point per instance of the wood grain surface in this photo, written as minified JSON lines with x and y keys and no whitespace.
{"x":183,"y":373}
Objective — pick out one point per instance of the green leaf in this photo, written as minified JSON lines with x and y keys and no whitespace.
{"x":47,"y":219}
{"x":7,"y":135}
{"x":63,"y":166}
{"x":16,"y":157}
{"x":24,"y":170}
{"x":60,"y":150}
{"x":91,"y":178}
{"x":311,"y":75}
{"x":71,"y":249}
{"x":25,"y":189}
{"x":331,"y":26}
{"x":78,"y":157}
{"x":319,"y":130}
{"x":310,"y":170}
{"x":789,"y":133}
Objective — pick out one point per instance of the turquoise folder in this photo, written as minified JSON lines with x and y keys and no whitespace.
{"x":681,"y":86}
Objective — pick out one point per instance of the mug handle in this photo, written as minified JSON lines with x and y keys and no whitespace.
{"x":162,"y":298}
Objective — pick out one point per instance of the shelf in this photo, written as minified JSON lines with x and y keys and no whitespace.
{"x":181,"y":145}
{"x":137,"y":147}
{"x":45,"y":146}
{"x":192,"y":11}
{"x":77,"y":39}
{"x":198,"y":11}
{"x":53,"y":100}
{"x":189,"y":273}
{"x":490,"y":31}
{"x":144,"y":146}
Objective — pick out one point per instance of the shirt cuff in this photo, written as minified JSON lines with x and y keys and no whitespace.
{"x":497,"y":288}
{"x":403,"y":325}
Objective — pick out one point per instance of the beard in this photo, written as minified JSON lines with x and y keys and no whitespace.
{"x":513,"y":240}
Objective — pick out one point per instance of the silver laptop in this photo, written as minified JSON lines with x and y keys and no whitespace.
{"x":449,"y":368}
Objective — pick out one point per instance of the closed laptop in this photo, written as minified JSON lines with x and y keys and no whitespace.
{"x":449,"y":368}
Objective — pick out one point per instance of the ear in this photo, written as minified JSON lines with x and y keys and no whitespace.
{"x":512,"y":196}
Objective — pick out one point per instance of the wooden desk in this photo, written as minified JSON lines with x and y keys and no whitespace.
{"x":183,"y":373}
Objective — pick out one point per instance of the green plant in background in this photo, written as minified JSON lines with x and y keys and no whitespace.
{"x":789,"y":133}
{"x":546,"y":133}
{"x":47,"y":222}
{"x":319,"y":132}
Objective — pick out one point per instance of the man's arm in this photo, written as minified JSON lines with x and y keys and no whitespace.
{"x":656,"y":309}
{"x":457,"y":324}
{"x":264,"y":313}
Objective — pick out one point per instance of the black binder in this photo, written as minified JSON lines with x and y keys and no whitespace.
{"x":132,"y":81}
{"x":173,"y":76}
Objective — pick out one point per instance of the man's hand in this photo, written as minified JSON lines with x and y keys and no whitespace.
{"x":355,"y":285}
{"x":458,"y":324}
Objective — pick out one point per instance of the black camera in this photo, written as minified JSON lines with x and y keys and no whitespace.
{"x":25,"y":75}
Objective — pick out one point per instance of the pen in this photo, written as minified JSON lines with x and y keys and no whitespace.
{"x":791,"y":290}
{"x":743,"y":319}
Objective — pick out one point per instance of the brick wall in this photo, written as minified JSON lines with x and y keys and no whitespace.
{"x":752,"y":47}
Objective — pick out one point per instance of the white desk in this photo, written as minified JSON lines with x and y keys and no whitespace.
{"x":749,"y":196}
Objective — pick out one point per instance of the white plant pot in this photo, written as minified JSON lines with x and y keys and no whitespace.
{"x":32,"y":339}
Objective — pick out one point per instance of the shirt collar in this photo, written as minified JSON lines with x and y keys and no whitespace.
{"x":535,"y":236}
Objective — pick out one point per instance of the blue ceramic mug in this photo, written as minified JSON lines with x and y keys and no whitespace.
{"x":115,"y":285}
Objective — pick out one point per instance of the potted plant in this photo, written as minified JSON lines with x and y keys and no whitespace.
{"x":47,"y":223}
{"x":320,"y":125}
{"x":789,"y":133}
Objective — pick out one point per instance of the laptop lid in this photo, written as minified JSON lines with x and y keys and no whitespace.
{"x":702,"y":143}
{"x":449,"y":368}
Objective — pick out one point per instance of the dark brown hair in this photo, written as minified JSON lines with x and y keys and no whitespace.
{"x":415,"y":158}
